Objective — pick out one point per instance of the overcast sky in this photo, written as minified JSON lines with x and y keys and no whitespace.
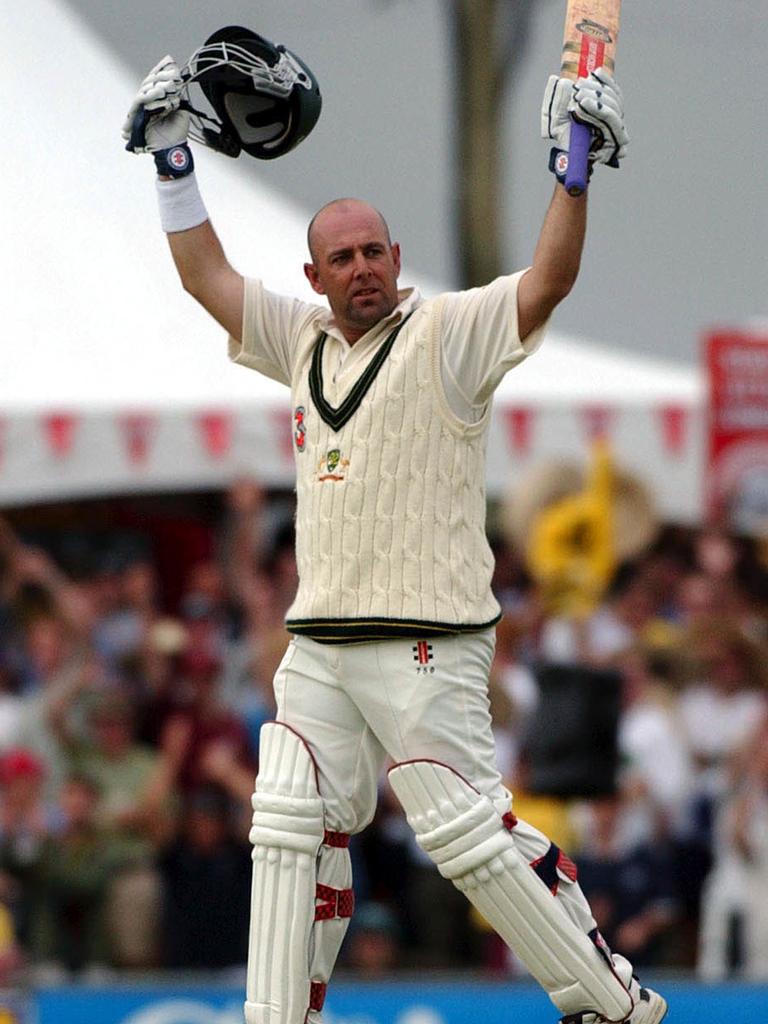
{"x":677,"y":239}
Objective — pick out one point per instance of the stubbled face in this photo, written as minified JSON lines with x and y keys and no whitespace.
{"x":355,"y":266}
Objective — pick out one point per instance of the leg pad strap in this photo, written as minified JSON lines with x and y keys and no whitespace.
{"x":333,"y":902}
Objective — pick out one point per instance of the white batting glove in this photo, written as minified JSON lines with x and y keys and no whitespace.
{"x":163,"y":125}
{"x":597,"y":101}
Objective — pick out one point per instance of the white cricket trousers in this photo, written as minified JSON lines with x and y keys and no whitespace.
{"x":357,"y":705}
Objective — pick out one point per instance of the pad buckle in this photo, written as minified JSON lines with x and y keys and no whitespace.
{"x":334,"y":902}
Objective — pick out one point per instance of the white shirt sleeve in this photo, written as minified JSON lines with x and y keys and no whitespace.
{"x":272,"y":325}
{"x":480,"y":342}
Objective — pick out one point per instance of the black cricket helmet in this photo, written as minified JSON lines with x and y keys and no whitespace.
{"x":266,"y":99}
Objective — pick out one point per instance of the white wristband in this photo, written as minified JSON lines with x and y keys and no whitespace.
{"x":181,"y":205}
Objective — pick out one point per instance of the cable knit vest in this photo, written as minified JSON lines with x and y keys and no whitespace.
{"x":391,"y":502}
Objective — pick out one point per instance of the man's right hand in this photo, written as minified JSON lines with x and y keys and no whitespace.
{"x":154,"y":121}
{"x":157,"y":123}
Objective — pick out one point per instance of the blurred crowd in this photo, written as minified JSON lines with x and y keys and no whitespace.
{"x":130,"y":709}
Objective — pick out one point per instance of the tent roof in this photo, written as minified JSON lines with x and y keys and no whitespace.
{"x":569,"y":370}
{"x":93,"y":305}
{"x":94,"y":317}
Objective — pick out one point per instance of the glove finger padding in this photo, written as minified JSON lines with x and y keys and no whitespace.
{"x":598,"y":102}
{"x":160,"y":90}
{"x":555,"y":116}
{"x":160,"y":96}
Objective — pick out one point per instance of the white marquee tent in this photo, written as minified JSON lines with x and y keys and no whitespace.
{"x":112,"y":381}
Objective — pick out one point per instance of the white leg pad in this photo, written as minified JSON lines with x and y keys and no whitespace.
{"x":462,"y":832}
{"x":288,"y":829}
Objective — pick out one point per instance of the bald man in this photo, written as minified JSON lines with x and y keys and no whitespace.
{"x":393,"y":622}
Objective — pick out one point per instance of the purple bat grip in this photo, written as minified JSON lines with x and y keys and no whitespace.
{"x":577,"y":175}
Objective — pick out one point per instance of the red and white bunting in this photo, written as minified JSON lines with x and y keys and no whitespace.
{"x":598,"y":420}
{"x":519,"y":423}
{"x":137,"y":434}
{"x":674,"y":428}
{"x":216,"y":430}
{"x":60,"y":432}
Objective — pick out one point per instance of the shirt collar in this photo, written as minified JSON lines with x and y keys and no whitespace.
{"x":409,"y":299}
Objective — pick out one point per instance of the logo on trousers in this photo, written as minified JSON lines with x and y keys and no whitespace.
{"x":422,"y":655}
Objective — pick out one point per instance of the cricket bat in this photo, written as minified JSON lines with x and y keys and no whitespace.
{"x":591,"y":30}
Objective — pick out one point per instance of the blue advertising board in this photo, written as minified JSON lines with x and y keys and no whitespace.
{"x":383,"y":1003}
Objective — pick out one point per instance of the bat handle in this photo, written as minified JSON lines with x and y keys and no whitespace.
{"x":577,"y":175}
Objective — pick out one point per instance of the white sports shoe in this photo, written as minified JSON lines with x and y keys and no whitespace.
{"x":649,"y":1006}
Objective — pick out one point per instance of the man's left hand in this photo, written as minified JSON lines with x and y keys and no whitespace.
{"x":595,"y":100}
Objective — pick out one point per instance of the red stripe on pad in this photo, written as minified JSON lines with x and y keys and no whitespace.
{"x":317,"y":990}
{"x":566,"y":865}
{"x":338,"y":839}
{"x":334,"y":902}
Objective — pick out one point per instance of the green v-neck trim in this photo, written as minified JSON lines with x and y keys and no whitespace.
{"x":336,"y":417}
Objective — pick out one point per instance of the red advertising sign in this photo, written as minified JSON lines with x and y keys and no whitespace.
{"x":737,"y":466}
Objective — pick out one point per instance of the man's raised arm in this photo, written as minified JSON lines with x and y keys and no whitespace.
{"x":207,"y":275}
{"x":156,"y":124}
{"x":598,"y":101}
{"x":556,"y":260}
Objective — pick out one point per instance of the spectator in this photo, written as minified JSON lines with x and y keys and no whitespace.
{"x":124,"y":629}
{"x":734,"y":927}
{"x":657,"y":771}
{"x":150,"y":677}
{"x":514,"y":696}
{"x":251,"y":697}
{"x":134,"y":813}
{"x":44,"y":712}
{"x":204,"y":743}
{"x":11,"y":709}
{"x":27,"y":821}
{"x":48,"y":621}
{"x":718,"y":558}
{"x":206,"y":875}
{"x":720,"y":712}
{"x":628,"y":882}
{"x":730,"y":688}
{"x":372,"y":949}
{"x":629,"y":608}
{"x":70,"y":885}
